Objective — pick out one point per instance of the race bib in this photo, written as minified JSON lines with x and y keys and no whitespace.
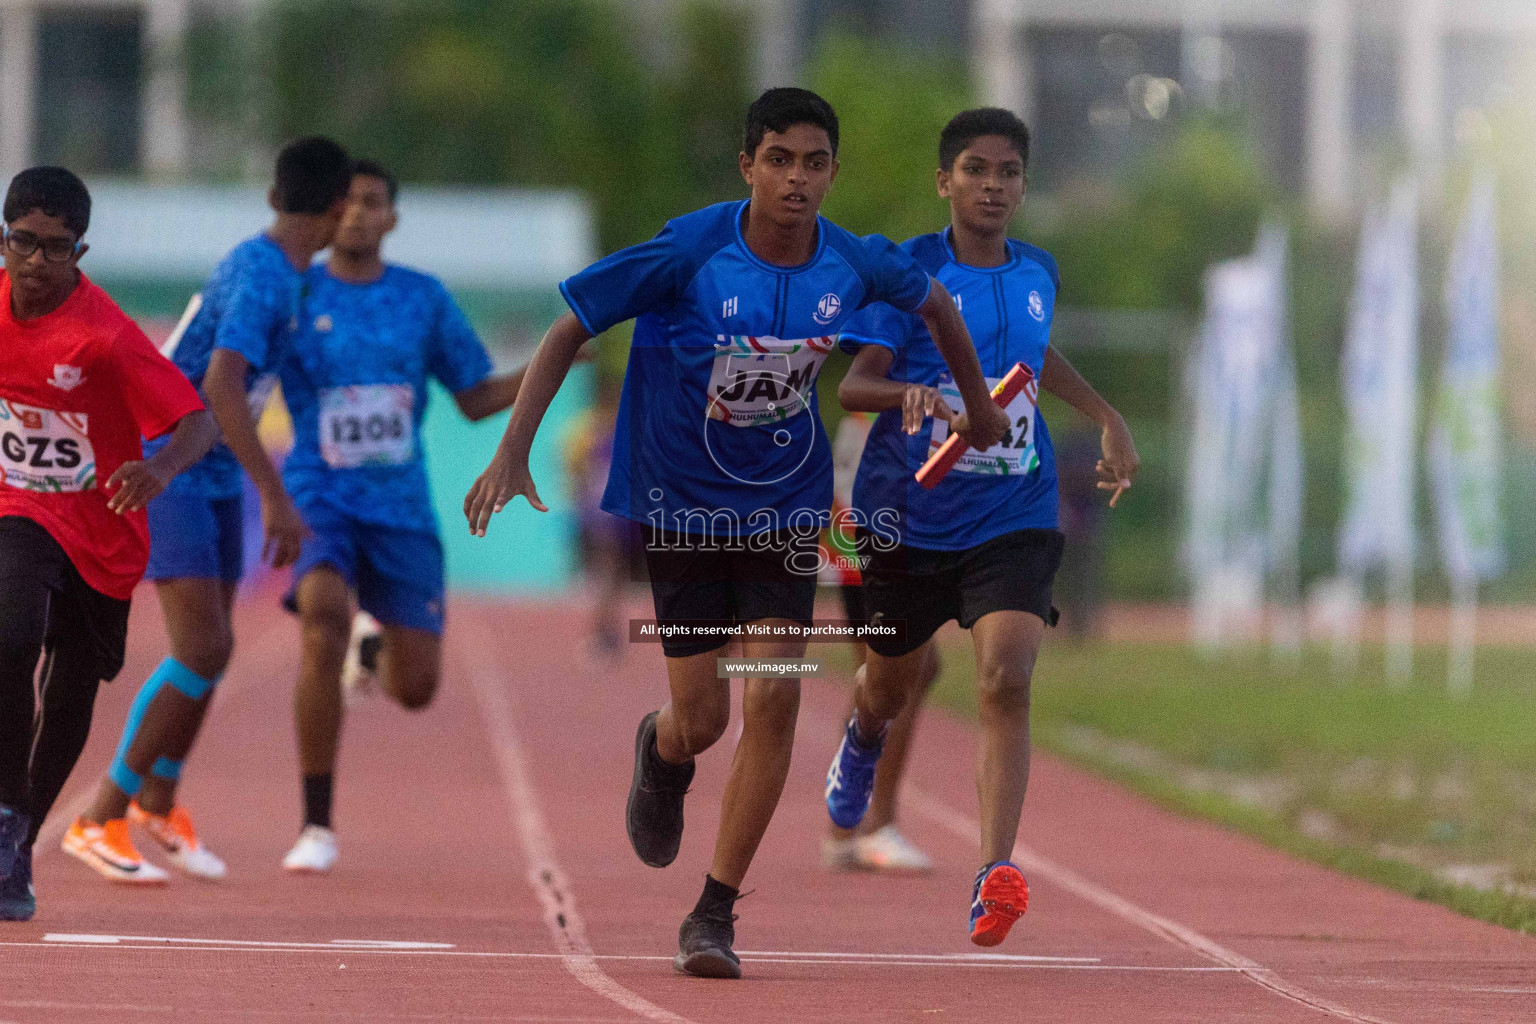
{"x":45,"y":450}
{"x":367,"y":425}
{"x":755,"y":381}
{"x":1015,"y":454}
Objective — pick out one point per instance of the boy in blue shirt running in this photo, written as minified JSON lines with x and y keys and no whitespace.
{"x":721,"y":457}
{"x":229,"y":344}
{"x":982,"y":546}
{"x":370,"y":335}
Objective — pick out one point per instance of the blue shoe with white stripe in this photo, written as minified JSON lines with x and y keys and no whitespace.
{"x":851,"y":778}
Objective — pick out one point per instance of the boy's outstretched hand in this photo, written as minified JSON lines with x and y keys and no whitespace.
{"x":499,"y":484}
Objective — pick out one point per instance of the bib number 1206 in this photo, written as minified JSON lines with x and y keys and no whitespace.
{"x":368,"y":425}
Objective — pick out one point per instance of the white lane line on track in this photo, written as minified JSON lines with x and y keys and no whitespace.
{"x":544,"y":875}
{"x":61,"y":817}
{"x":339,"y":945}
{"x":836,"y":959}
{"x":1162,"y":927}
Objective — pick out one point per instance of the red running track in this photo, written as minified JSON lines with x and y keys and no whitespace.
{"x":485,"y":875}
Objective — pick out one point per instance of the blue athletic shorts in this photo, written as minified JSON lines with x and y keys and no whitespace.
{"x":397,"y":574}
{"x":193,"y":537}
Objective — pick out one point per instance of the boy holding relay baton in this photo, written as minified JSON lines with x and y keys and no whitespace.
{"x":955,"y":533}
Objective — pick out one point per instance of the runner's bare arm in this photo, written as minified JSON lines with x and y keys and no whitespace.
{"x":867,"y":387}
{"x":507,"y":476}
{"x":224,"y":389}
{"x":496,"y":393}
{"x":135,"y":483}
{"x":1120,"y":464}
{"x":983,"y":423}
{"x":490,"y":396}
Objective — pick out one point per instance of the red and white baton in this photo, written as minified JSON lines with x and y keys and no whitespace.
{"x":943,"y":460}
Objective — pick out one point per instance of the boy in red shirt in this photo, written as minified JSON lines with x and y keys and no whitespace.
{"x":79,"y":385}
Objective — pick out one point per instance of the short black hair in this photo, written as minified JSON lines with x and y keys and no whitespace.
{"x":374,"y":169}
{"x":312,"y":173}
{"x":779,"y":110}
{"x":53,"y":190}
{"x":969,"y":125}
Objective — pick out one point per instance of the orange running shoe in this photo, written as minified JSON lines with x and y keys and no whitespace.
{"x":176,"y":836}
{"x":109,"y":851}
{"x":1000,"y":898}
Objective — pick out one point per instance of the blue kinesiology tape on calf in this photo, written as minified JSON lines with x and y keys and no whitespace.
{"x":165,"y":768}
{"x":169,"y":672}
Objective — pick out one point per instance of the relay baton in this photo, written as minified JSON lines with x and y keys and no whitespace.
{"x":942,"y":461}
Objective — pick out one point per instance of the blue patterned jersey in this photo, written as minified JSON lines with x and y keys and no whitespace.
{"x":1012,"y":485}
{"x":717,"y":427}
{"x":249,"y":306}
{"x":356,"y":385}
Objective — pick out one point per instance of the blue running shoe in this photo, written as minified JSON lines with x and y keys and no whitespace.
{"x":997,"y":901}
{"x":13,"y":833}
{"x":851,"y":779}
{"x":17,"y":901}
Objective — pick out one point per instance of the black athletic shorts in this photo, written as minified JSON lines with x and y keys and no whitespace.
{"x":926,"y":588}
{"x":729,"y":581}
{"x":78,"y":614}
{"x":855,"y":608}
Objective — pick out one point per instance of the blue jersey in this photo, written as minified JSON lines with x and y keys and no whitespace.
{"x":717,"y":427}
{"x":356,"y":385}
{"x":1012,"y":485}
{"x":249,"y":306}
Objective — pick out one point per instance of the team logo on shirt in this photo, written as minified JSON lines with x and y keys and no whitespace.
{"x":1037,"y":306}
{"x":67,"y":378}
{"x":323,"y":323}
{"x":828,"y":308}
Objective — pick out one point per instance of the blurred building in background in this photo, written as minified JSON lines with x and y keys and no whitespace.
{"x":94,"y":84}
{"x":1166,"y":132}
{"x":100,"y":84}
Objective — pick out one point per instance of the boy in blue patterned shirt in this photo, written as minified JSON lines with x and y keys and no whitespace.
{"x":370,"y":335}
{"x":229,"y":344}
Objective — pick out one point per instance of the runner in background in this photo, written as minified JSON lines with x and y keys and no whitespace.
{"x":371,"y":335}
{"x":229,"y":344}
{"x":606,"y":544}
{"x":877,"y":844}
{"x":80,"y":384}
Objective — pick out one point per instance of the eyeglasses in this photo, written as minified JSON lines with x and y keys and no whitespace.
{"x":55,"y":250}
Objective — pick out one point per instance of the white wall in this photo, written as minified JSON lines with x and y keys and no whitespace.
{"x":468,"y":237}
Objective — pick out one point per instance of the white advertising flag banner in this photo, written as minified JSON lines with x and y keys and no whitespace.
{"x":1243,"y":390}
{"x":1465,"y":456}
{"x":1380,"y":374}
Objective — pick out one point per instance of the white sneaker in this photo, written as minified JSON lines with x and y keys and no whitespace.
{"x":359,"y":674}
{"x":178,"y":840}
{"x":888,"y":850}
{"x":314,"y":853}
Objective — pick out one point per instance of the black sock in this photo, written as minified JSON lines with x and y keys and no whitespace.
{"x":317,"y":800}
{"x":368,"y":652}
{"x":716,"y":895}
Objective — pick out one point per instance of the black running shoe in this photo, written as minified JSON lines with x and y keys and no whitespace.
{"x":704,"y":944}
{"x":654,"y":815}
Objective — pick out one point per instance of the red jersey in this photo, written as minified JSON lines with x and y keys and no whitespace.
{"x":79,"y":387}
